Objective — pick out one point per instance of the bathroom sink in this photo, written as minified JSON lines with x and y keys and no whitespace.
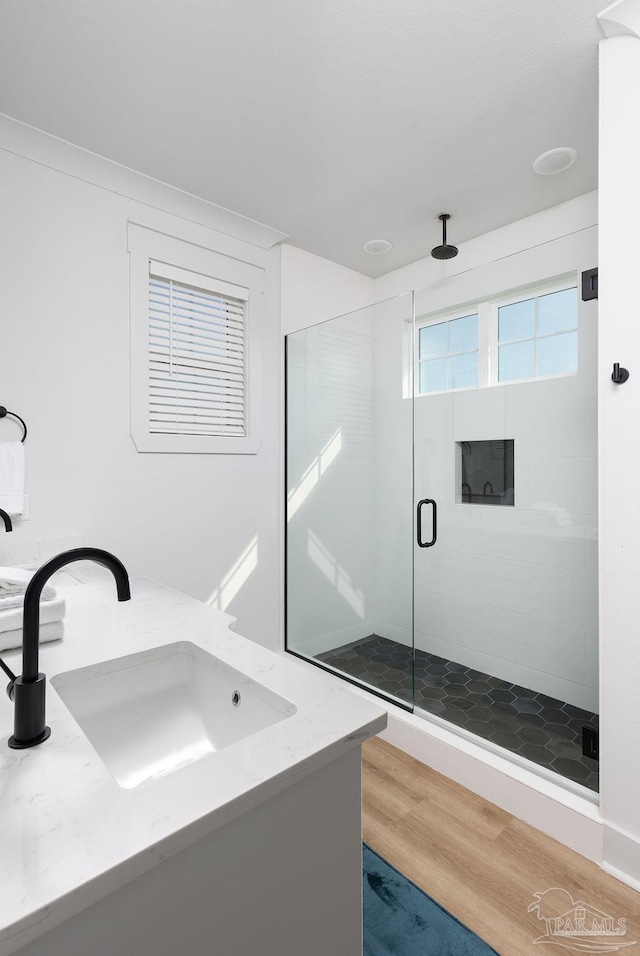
{"x":150,"y":713}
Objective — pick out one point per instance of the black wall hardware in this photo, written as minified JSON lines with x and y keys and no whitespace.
{"x":591,"y":742}
{"x":434,"y":527}
{"x":3,"y":414}
{"x":589,"y":285}
{"x":619,"y":374}
{"x":8,"y":526}
{"x":444,"y":251}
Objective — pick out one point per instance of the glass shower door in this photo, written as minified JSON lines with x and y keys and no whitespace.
{"x":505,"y":601}
{"x":349,"y":490}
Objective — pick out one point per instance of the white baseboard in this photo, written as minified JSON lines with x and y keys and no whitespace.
{"x":621,"y":855}
{"x":570,"y":818}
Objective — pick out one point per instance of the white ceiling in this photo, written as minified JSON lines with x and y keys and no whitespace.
{"x":336,"y":121}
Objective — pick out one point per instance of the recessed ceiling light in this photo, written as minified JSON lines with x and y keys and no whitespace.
{"x":377,"y":247}
{"x":555,"y":161}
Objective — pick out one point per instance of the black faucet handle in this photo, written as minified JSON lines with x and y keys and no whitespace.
{"x":11,"y":676}
{"x":7,"y":670}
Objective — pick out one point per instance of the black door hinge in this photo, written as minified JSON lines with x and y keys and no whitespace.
{"x":589,"y":285}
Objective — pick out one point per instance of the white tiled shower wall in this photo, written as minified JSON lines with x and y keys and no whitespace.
{"x":330,"y":446}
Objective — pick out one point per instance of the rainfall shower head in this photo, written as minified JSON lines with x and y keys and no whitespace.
{"x":444,"y":251}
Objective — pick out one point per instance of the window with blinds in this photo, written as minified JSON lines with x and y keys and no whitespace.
{"x":197,"y":355}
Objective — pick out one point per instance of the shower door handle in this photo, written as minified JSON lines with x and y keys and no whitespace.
{"x":434,"y":526}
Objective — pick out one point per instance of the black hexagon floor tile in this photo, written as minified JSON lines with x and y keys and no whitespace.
{"x":524,"y":693}
{"x":504,"y":696}
{"x":560,"y":730}
{"x":509,"y":741}
{"x":479,"y":699}
{"x":432,"y":706}
{"x":476,"y":675}
{"x":456,"y":677}
{"x":455,"y":716}
{"x":433,"y":693}
{"x":527,"y":706}
{"x":533,"y":735}
{"x":537,"y":753}
{"x":565,"y":748}
{"x":477,"y":686}
{"x":536,"y":726}
{"x":463,"y":703}
{"x":455,"y":690}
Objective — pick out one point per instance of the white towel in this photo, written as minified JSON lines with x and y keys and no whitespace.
{"x":48,"y":632}
{"x":50,"y":611}
{"x":13,"y":584}
{"x":12,"y":477}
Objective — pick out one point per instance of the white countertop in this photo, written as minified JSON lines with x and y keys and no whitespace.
{"x":70,"y":835}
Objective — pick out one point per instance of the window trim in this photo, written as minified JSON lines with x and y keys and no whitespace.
{"x":487,"y":311}
{"x":548,"y":288}
{"x":146,"y":245}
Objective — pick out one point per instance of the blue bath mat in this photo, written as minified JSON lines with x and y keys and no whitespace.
{"x":401,"y":920}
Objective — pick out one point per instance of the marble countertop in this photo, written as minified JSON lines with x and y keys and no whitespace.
{"x":70,"y":835}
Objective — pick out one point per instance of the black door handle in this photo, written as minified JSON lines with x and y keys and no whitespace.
{"x":434,"y":527}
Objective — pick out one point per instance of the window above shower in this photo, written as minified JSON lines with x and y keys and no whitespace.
{"x":448,"y":354}
{"x":519,"y":337}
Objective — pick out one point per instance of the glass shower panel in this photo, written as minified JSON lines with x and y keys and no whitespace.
{"x":349,"y":492}
{"x":505,"y":599}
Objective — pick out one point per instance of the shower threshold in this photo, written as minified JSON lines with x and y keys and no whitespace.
{"x":540,"y":728}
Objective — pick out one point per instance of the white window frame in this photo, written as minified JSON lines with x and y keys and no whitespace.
{"x":227,"y":274}
{"x":533,"y":292}
{"x":487,"y":311}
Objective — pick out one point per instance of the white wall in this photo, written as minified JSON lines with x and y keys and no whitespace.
{"x":619,"y":449}
{"x":315,"y":289}
{"x":206,"y":524}
{"x":510,"y":591}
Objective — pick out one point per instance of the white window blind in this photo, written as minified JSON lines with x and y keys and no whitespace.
{"x":197,"y":354}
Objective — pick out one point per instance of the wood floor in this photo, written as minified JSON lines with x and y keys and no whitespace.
{"x":479,"y":862}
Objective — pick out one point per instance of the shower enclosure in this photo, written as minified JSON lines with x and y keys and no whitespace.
{"x":442,"y":504}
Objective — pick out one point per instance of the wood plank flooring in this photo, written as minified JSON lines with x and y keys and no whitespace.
{"x":479,"y":862}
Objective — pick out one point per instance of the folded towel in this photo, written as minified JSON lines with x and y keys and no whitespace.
{"x":10,"y":601}
{"x":48,"y":632}
{"x":50,"y":611}
{"x":13,"y":583}
{"x":12,"y":477}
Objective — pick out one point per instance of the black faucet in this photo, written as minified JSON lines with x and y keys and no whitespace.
{"x":28,"y":691}
{"x":7,"y":520}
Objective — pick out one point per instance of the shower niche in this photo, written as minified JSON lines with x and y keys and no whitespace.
{"x":492,"y":630}
{"x":485,"y":472}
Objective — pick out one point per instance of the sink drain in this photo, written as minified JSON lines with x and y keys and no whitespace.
{"x":235,"y":698}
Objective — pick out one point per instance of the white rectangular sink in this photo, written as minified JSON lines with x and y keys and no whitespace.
{"x":151,"y":713}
